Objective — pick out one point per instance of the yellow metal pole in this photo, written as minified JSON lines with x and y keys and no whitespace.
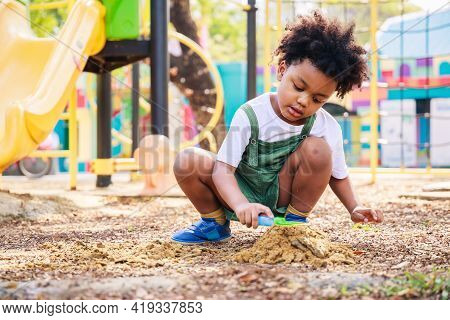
{"x":73,"y":140}
{"x":145,"y":19}
{"x":279,"y":16}
{"x":266,"y":57}
{"x":50,"y":154}
{"x":373,"y":91}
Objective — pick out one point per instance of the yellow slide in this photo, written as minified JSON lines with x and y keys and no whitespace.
{"x":37,"y":75}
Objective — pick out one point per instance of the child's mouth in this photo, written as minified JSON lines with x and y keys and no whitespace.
{"x":295,"y":112}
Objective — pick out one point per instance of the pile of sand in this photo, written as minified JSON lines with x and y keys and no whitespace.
{"x":296,"y":244}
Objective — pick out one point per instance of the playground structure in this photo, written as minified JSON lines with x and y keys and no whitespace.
{"x":30,"y":111}
{"x":127,"y":46}
{"x":109,"y":55}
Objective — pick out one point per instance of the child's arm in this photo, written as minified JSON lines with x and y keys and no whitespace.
{"x":228,"y":188}
{"x":344,"y":191}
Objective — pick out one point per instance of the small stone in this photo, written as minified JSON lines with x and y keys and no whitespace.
{"x":401,"y":265}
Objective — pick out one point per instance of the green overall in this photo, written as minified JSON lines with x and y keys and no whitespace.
{"x":257,"y":173}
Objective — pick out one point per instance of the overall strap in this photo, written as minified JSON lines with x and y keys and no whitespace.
{"x":307,"y":127}
{"x":253,"y":144}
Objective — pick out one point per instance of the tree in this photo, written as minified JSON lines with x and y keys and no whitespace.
{"x":192,"y":76}
{"x":226,"y":28}
{"x":46,"y":23}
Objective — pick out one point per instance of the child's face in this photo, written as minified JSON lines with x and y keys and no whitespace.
{"x":302,"y":91}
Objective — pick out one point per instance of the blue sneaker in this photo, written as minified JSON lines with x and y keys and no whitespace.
{"x":295,"y":218}
{"x":204,"y":230}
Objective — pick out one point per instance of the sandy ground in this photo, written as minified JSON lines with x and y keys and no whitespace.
{"x":89,"y":244}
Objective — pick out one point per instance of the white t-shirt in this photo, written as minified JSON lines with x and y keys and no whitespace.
{"x":272,"y":128}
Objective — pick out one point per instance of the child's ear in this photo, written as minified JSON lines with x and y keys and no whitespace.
{"x":281,"y":70}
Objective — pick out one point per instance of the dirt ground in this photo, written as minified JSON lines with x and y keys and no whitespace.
{"x":71,"y":245}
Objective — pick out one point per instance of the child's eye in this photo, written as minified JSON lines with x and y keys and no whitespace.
{"x":297,"y":88}
{"x":316,"y":101}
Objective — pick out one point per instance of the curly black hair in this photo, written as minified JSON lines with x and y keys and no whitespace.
{"x":329,"y":45}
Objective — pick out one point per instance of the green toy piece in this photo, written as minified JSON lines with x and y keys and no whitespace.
{"x":277,"y":221}
{"x":280,"y":221}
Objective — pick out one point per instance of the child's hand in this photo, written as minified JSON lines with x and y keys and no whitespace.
{"x":248,"y":213}
{"x":365,"y":215}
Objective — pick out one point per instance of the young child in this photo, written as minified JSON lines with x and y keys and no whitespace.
{"x":282,"y":148}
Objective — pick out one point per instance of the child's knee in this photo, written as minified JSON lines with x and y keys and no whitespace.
{"x":316,"y":154}
{"x":183,"y":162}
{"x":190,"y":161}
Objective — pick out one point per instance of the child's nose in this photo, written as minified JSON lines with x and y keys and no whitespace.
{"x":302,"y":99}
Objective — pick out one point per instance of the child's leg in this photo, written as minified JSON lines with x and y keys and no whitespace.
{"x":305,"y":175}
{"x":193,"y":169}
